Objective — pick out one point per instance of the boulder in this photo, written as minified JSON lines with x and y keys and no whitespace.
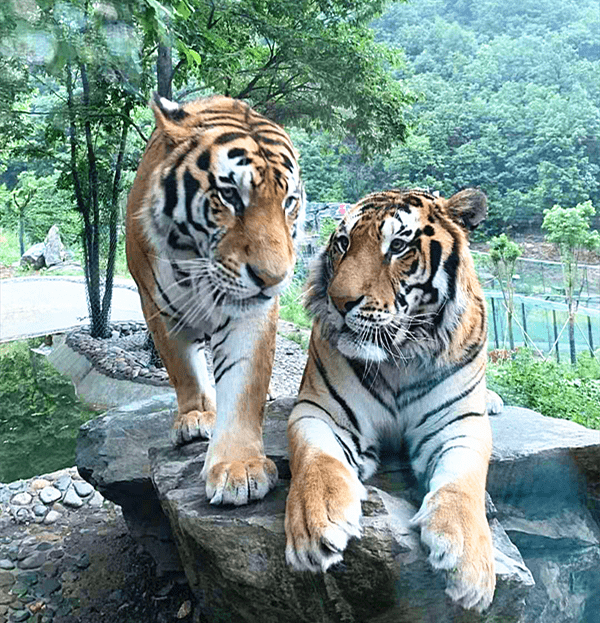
{"x":54,"y":251}
{"x":544,"y":479}
{"x":112,"y":455}
{"x":234,"y":557}
{"x":34,"y":257}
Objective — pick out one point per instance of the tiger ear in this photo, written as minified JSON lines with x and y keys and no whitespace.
{"x":468,"y":207}
{"x":168,"y":116}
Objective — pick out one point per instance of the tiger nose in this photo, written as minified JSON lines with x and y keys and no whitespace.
{"x":345,"y":303}
{"x":264,"y":278}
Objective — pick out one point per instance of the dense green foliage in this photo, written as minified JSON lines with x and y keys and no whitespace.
{"x":509,"y":101}
{"x":39,"y":414}
{"x":555,"y":390}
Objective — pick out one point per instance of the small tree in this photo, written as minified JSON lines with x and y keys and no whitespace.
{"x":504,"y":254}
{"x":569,"y":229}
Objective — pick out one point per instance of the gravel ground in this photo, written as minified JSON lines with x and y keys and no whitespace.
{"x":125,"y":355}
{"x":79,"y":563}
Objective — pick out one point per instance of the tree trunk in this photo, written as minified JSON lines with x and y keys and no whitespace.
{"x":572,"y":337}
{"x":164,"y":71}
{"x":22,"y":231}
{"x":511,"y":339}
{"x":113,"y":223}
{"x":97,"y":327}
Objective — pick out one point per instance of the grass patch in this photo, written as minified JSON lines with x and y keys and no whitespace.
{"x":299,"y":338}
{"x":40,"y":414}
{"x":552,"y":389}
{"x":291,"y":308}
{"x":10,"y":251}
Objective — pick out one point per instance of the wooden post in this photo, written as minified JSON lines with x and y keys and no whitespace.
{"x":524,"y":324}
{"x":591,"y":336}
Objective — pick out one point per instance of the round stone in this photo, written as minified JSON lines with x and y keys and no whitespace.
{"x":37,"y":559}
{"x":38,"y":484}
{"x":51,"y":517}
{"x":7,"y":598}
{"x":6,"y":579}
{"x":72,"y":499}
{"x":83,"y":488}
{"x":97,"y":499}
{"x":7,"y":564}
{"x":23,"y":515}
{"x":20,"y":615}
{"x":22,"y":499}
{"x":39,"y":510}
{"x":63,"y":483}
{"x":50,"y":495}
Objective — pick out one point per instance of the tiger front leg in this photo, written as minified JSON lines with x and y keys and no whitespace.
{"x":454,"y":526}
{"x":182,"y":352}
{"x":236,"y":469}
{"x":323,"y":506}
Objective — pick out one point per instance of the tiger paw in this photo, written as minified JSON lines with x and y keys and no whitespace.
{"x":239,"y":482}
{"x":193,"y":425}
{"x":322,"y":514}
{"x":460,"y":543}
{"x":494,"y":402}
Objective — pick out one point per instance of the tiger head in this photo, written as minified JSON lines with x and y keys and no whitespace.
{"x":397,"y":281}
{"x":225,"y":198}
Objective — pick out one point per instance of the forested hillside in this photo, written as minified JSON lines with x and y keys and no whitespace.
{"x":501,"y":94}
{"x":509,"y":100}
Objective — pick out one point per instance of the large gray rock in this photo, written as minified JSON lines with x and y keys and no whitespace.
{"x":112,"y":455}
{"x":34,"y":257}
{"x":543,"y":479}
{"x":54,"y":249}
{"x":234,"y":557}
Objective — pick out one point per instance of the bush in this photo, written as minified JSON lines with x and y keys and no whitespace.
{"x":555,"y":390}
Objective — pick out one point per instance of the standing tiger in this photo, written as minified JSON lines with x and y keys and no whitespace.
{"x":397,"y":357}
{"x":212,"y":220}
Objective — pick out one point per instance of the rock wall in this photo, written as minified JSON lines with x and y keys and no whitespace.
{"x":543,"y":480}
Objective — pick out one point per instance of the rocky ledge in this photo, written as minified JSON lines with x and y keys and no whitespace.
{"x":543,"y":480}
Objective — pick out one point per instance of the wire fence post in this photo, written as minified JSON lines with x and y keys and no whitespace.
{"x":555,"y":336}
{"x":525,"y":336}
{"x":494,"y":322}
{"x":591,"y":336}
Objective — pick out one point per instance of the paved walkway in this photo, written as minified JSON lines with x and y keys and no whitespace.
{"x":33,"y":306}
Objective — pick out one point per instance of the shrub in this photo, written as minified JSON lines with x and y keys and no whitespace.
{"x":327,"y":226}
{"x":555,"y":390}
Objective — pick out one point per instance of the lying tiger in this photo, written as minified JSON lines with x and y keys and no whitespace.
{"x":212,"y":220}
{"x":397,"y":356}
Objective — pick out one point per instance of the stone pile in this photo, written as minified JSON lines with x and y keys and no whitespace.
{"x":123,"y":356}
{"x":43,"y":500}
{"x":35,"y":515}
{"x":48,"y":254}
